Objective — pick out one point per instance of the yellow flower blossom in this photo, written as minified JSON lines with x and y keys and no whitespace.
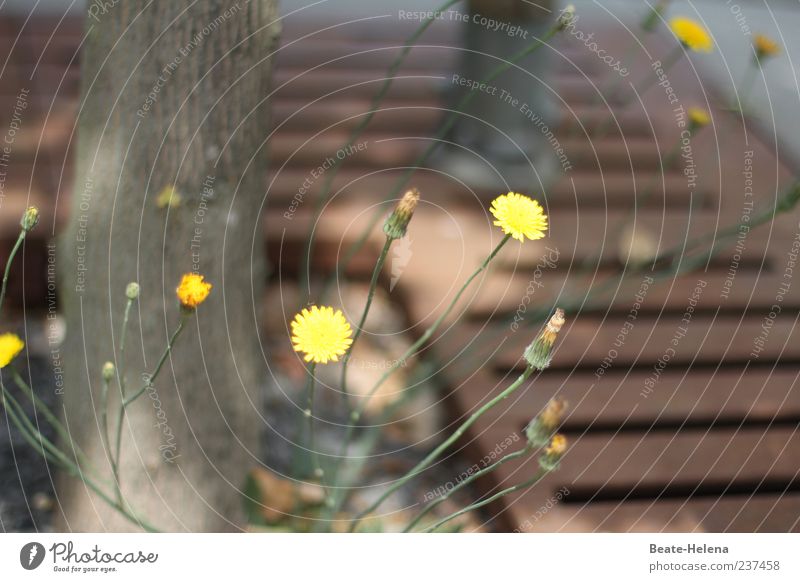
{"x":193,"y":290}
{"x":691,"y":34}
{"x":519,"y":216}
{"x":10,"y":346}
{"x":321,"y":333}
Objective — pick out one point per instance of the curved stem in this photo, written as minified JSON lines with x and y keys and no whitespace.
{"x":477,"y":475}
{"x":488,"y":500}
{"x":748,"y":81}
{"x":53,"y":454}
{"x":449,"y":121}
{"x":373,"y":284}
{"x":10,"y":260}
{"x":355,"y":416}
{"x":152,"y":377}
{"x":322,"y":198}
{"x":51,"y":418}
{"x":310,"y":415}
{"x":122,"y":388}
{"x":433,"y":455}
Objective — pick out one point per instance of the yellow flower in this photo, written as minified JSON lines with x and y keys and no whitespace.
{"x":321,"y":333}
{"x":691,"y":34}
{"x":765,"y":46}
{"x":519,"y":216}
{"x":193,"y":290}
{"x":698,"y":117}
{"x":10,"y":346}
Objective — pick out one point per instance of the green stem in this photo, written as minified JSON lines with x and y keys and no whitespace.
{"x":357,"y":131}
{"x":10,"y":260}
{"x":373,"y":284}
{"x":748,"y":82}
{"x":122,"y":389}
{"x":355,"y":416}
{"x":53,"y":454}
{"x":48,"y":415}
{"x":433,"y":455}
{"x":477,"y":475}
{"x":436,"y":141}
{"x":312,"y":447}
{"x":152,"y":377}
{"x":106,"y":435}
{"x":488,"y":500}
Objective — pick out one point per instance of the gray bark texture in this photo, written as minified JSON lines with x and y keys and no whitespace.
{"x":173,"y":93}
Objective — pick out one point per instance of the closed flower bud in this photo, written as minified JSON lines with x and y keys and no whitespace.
{"x":109,"y":370}
{"x":29,"y":218}
{"x":551,"y":456}
{"x":765,"y":47}
{"x":538,"y":354}
{"x":542,"y":428}
{"x":698,"y":118}
{"x":396,"y":225}
{"x":132,"y":291}
{"x":566,"y":16}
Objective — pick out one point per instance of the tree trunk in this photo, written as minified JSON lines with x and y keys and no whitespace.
{"x":171,"y":95}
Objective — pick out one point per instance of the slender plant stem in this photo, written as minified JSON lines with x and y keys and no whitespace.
{"x":355,"y":416}
{"x":51,"y":418}
{"x":53,"y":454}
{"x":10,"y":260}
{"x":477,"y":475}
{"x":373,"y":284}
{"x":322,"y":198}
{"x":152,"y":377}
{"x":541,"y":473}
{"x":433,"y":455}
{"x":312,"y":446}
{"x":447,"y":125}
{"x":107,"y":437}
{"x":748,"y":82}
{"x":122,"y":389}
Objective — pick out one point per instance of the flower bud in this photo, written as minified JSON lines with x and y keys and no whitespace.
{"x":765,"y":47}
{"x":538,"y":354}
{"x":396,"y":225}
{"x":132,"y":291}
{"x":29,"y":218}
{"x":698,"y":118}
{"x":541,"y":428}
{"x":551,"y":457}
{"x":109,"y":370}
{"x":566,"y":16}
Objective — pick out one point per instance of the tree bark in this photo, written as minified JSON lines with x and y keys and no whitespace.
{"x":171,"y":95}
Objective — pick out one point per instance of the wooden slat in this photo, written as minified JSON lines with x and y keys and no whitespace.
{"x":726,"y":514}
{"x":588,"y":339}
{"x":618,"y":398}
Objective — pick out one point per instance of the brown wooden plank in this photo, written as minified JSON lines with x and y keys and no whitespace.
{"x":610,"y":398}
{"x":587,"y":340}
{"x":577,"y":191}
{"x":726,"y":514}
